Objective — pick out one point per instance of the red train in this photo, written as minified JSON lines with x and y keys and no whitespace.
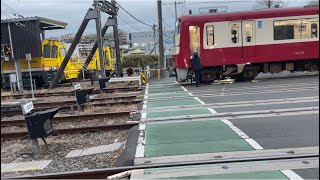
{"x":243,"y":44}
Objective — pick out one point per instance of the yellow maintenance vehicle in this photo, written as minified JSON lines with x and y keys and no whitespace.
{"x":94,"y":65}
{"x":44,"y":68}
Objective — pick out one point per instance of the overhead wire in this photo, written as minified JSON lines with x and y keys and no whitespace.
{"x":16,"y":14}
{"x":134,"y":16}
{"x":128,"y":23}
{"x":25,"y":26}
{"x":21,"y":25}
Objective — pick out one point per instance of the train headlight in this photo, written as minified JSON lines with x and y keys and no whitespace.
{"x":248,"y":63}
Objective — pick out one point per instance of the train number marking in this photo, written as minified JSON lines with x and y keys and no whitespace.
{"x":298,"y":52}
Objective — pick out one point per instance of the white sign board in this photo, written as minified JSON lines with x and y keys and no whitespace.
{"x":13,"y":78}
{"x":77,"y":86}
{"x":6,"y":58}
{"x":26,"y":108}
{"x":28,"y":57}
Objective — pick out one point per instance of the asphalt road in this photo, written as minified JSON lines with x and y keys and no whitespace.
{"x":271,"y":132}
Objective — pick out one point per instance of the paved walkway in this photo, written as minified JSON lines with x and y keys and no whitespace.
{"x":167,"y":137}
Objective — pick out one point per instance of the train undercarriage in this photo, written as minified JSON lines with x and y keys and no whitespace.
{"x":247,"y":72}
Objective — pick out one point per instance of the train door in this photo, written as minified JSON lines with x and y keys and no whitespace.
{"x":194,"y":33}
{"x":235,"y":42}
{"x":249,"y":40}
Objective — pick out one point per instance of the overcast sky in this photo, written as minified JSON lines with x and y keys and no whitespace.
{"x":73,"y":11}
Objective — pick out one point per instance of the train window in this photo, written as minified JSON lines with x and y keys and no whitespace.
{"x":311,"y":28}
{"x":248,"y":28}
{"x":177,"y":35}
{"x":194,"y":32}
{"x":63,"y":52}
{"x":235,"y":33}
{"x":314,"y":30}
{"x":107,"y":58}
{"x":287,"y":29}
{"x":54,"y":51}
{"x":210,"y":35}
{"x":46,"y":51}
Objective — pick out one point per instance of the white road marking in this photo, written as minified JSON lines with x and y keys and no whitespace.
{"x":190,"y":94}
{"x":212,"y":111}
{"x":143,"y":115}
{"x":142,"y":127}
{"x":253,"y":143}
{"x":201,"y":102}
{"x":140,"y":151}
{"x":184,"y":88}
{"x":291,"y":175}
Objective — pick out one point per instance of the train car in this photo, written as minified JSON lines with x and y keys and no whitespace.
{"x":94,"y":65}
{"x":243,"y":44}
{"x":44,"y":68}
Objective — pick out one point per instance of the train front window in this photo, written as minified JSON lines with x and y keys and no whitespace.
{"x":194,"y":32}
{"x":210,"y":35}
{"x":46,"y":51}
{"x":63,"y":52}
{"x":54,"y":51}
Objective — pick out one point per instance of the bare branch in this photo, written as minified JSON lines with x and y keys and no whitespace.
{"x":271,"y":3}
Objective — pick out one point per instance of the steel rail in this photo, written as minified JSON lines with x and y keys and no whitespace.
{"x":23,"y":134}
{"x":64,"y":106}
{"x":72,"y":102}
{"x":105,"y":172}
{"x":21,"y":122}
{"x":69,"y":93}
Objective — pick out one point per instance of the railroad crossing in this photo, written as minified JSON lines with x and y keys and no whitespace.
{"x":230,"y":123}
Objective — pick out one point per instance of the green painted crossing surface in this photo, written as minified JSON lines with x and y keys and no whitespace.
{"x":157,"y":90}
{"x":177,"y":102}
{"x":247,"y":175}
{"x":196,"y":147}
{"x":191,"y":138}
{"x":169,"y":94}
{"x":181,"y":112}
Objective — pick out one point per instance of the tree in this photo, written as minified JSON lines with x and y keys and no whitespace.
{"x":143,"y":59}
{"x":271,"y":3}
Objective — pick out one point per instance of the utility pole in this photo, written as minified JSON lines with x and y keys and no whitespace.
{"x":17,"y":62}
{"x":175,"y":11}
{"x":99,"y":40}
{"x":154,"y":37}
{"x":161,"y":53}
{"x":116,"y":42}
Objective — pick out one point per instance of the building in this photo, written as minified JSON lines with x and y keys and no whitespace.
{"x":108,"y":39}
{"x":313,"y":4}
{"x":147,"y":42}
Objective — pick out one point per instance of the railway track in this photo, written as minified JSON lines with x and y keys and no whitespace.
{"x":68,"y":105}
{"x":103,"y":173}
{"x":24,"y":134}
{"x":21,"y":122}
{"x":69,"y":93}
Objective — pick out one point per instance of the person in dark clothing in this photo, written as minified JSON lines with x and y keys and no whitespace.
{"x":130,"y":74}
{"x":196,"y":66}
